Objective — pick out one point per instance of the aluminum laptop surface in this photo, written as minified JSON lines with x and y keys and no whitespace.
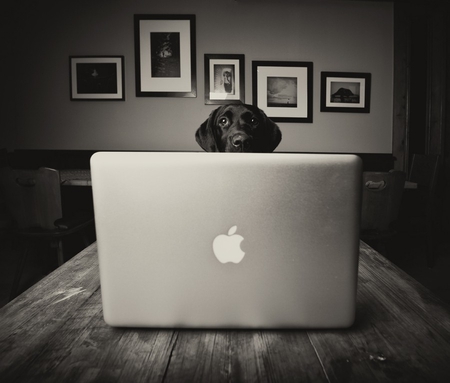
{"x":227,"y":240}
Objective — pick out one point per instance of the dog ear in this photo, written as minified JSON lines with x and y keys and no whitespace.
{"x":273,"y":135}
{"x":205,"y":134}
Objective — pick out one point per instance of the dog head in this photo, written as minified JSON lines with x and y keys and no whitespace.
{"x":238,"y":128}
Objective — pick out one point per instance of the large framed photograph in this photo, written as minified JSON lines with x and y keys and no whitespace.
{"x":97,"y":78}
{"x":224,"y":78}
{"x":284,"y":89}
{"x":347,"y":92}
{"x":165,"y":55}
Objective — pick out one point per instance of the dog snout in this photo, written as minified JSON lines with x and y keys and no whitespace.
{"x":241,"y":142}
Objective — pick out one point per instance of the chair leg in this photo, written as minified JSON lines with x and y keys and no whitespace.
{"x":19,"y":271}
{"x":85,"y":238}
{"x":429,"y":239}
{"x":59,"y":250}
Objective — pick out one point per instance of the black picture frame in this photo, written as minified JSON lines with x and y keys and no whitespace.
{"x":224,"y":79}
{"x":97,"y":78}
{"x":345,"y":92}
{"x":284,"y":90}
{"x":165,"y":55}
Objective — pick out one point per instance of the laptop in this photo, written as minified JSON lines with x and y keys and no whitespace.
{"x":227,"y":240}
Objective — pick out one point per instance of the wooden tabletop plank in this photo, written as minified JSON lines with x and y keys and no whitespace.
{"x":289,"y":356}
{"x":194,"y":357}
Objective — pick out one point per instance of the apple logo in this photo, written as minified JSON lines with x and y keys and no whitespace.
{"x":227,"y":248}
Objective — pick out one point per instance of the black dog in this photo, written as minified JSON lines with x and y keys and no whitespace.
{"x":238,"y":128}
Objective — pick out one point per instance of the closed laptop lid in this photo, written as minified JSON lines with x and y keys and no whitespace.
{"x":227,"y":239}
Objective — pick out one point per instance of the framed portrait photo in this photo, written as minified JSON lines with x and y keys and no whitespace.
{"x":97,"y":78}
{"x":224,"y":79}
{"x":347,"y":92}
{"x":165,"y":55}
{"x":283,"y":89}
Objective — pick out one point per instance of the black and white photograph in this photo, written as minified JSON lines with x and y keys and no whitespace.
{"x":165,"y":55}
{"x":225,"y":191}
{"x":224,"y":78}
{"x":283,"y":90}
{"x":165,"y":51}
{"x":346,"y":92}
{"x":97,"y":78}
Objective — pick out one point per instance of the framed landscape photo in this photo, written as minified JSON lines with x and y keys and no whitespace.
{"x":347,"y":92}
{"x":224,"y":79}
{"x":97,"y":78}
{"x":283,"y":89}
{"x":165,"y":55}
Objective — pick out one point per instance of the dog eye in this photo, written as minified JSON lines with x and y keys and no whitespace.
{"x":223,"y":121}
{"x":254,"y":121}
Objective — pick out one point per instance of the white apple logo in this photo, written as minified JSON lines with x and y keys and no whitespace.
{"x":227,"y":248}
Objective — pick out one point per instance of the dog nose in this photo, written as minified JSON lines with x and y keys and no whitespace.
{"x":241,"y":141}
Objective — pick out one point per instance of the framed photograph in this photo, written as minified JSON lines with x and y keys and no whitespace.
{"x":97,"y":78}
{"x":224,"y":79}
{"x":347,"y":92}
{"x":283,"y":90}
{"x":165,"y":55}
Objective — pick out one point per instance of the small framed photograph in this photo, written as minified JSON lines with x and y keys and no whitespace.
{"x":283,"y":89}
{"x":224,"y":79}
{"x":97,"y":78}
{"x":347,"y":92}
{"x":165,"y":55}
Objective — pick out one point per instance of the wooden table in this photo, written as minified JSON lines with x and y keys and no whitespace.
{"x":55,"y":332}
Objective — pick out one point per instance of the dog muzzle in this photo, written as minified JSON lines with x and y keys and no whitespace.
{"x":241,"y":142}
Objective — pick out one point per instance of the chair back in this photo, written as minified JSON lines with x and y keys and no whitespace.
{"x":381,"y":199}
{"x":33,"y":197}
{"x":424,"y":172}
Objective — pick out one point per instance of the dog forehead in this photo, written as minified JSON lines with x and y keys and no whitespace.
{"x":236,"y":110}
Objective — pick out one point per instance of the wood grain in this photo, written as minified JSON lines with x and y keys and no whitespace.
{"x":55,"y":332}
{"x":401,"y":331}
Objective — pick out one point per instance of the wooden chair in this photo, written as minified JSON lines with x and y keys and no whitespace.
{"x":381,"y":199}
{"x":5,"y":219}
{"x":422,"y":210}
{"x":33,"y":199}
